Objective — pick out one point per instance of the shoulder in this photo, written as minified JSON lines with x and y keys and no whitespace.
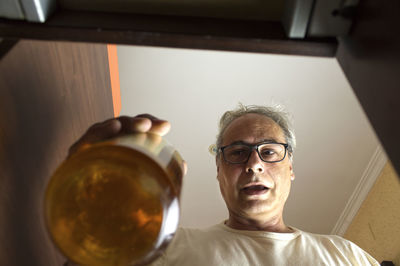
{"x":339,"y":247}
{"x":328,"y":240}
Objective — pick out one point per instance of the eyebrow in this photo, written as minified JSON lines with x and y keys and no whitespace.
{"x":246,"y":143}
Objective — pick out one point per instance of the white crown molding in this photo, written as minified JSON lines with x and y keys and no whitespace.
{"x":371,"y":173}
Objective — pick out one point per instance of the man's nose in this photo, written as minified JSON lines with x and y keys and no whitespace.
{"x":254,"y":164}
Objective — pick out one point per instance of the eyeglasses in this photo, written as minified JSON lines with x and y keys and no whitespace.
{"x":267,"y":151}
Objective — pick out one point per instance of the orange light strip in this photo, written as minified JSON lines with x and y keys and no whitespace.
{"x":114,"y":77}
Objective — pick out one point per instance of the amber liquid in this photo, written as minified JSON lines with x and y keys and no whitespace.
{"x":106,"y":205}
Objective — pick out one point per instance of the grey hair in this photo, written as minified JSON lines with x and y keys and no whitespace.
{"x":277,"y":113}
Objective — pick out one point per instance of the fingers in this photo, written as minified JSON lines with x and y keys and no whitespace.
{"x":184,"y":167}
{"x":134,"y":124}
{"x":97,"y":132}
{"x":121,"y":126}
{"x":144,"y":123}
{"x":101,"y":131}
{"x":158,"y":126}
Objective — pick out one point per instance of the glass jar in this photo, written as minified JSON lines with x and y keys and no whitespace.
{"x":116,"y":202}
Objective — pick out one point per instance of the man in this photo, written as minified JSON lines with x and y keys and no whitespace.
{"x":254,"y":153}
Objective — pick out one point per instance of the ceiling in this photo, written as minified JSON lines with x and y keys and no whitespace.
{"x":193,"y":88}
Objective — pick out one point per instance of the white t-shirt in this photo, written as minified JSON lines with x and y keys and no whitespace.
{"x":222,"y":245}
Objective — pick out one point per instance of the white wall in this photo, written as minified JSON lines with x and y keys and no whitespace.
{"x":192,"y":89}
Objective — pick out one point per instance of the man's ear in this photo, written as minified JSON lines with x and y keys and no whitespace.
{"x":292,"y":176}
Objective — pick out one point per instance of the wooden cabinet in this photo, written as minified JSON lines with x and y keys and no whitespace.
{"x":50,"y":92}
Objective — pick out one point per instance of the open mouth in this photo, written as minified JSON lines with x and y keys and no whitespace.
{"x":255,"y":190}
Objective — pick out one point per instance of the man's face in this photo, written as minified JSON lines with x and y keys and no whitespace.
{"x":242,"y":185}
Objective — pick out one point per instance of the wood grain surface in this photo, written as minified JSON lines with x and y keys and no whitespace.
{"x":169,"y":31}
{"x":370,"y":58}
{"x":50,"y":92}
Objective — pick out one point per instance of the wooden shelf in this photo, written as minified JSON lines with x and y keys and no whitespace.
{"x":168,"y":31}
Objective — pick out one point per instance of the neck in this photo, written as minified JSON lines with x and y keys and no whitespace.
{"x":275,"y":224}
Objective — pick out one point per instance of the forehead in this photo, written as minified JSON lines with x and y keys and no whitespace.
{"x":252,"y":128}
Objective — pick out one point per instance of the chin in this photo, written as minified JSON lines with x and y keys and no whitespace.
{"x":256,"y":208}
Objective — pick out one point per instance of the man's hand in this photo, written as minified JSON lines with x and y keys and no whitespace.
{"x":121,"y":126}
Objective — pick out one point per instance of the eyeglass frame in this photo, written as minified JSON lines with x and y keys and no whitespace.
{"x":252,"y":148}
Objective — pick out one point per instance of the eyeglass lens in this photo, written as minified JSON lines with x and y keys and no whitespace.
{"x":269,"y":152}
